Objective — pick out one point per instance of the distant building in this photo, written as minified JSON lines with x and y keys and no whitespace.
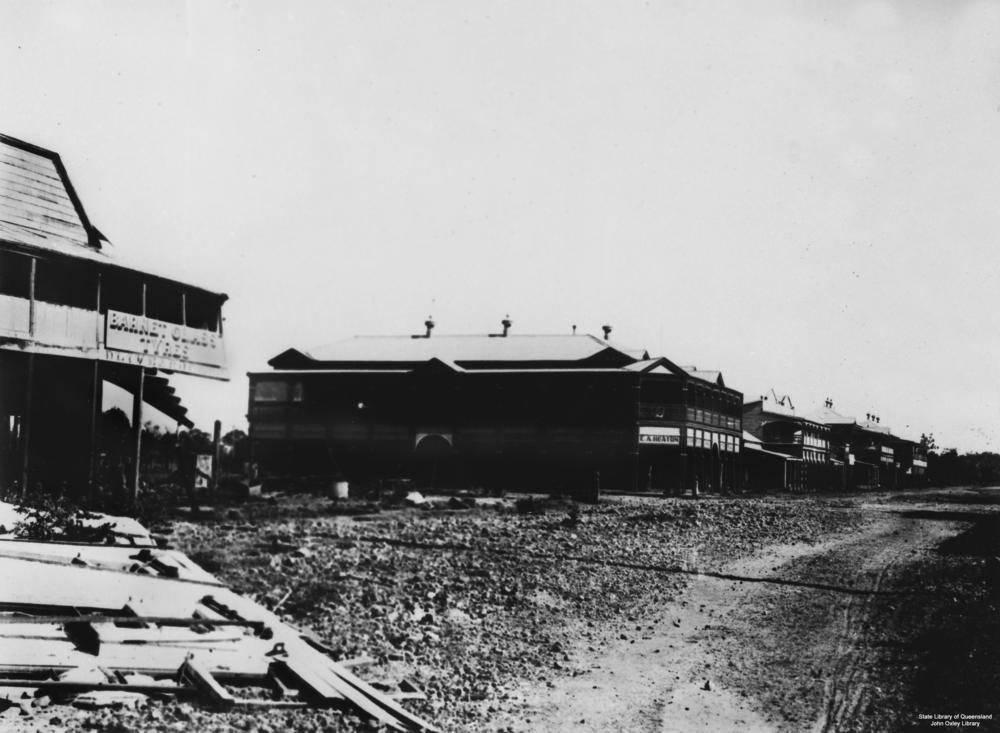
{"x":866,"y":448}
{"x":559,"y":412}
{"x":911,"y":461}
{"x":73,"y":316}
{"x":774,"y":421}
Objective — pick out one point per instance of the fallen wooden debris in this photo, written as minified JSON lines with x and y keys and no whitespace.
{"x":169,"y":688}
{"x":138,"y":622}
{"x":108,"y":699}
{"x":198,"y":674}
{"x":131,"y":620}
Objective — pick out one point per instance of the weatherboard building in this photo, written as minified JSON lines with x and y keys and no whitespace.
{"x":566,"y":412}
{"x":75,"y":316}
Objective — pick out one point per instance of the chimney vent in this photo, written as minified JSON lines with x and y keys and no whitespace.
{"x":607,"y":331}
{"x":506,"y":323}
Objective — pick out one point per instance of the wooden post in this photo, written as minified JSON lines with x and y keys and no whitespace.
{"x":216,"y":437}
{"x":31,"y":297}
{"x":133,"y":484}
{"x":96,"y":399}
{"x":26,"y":428}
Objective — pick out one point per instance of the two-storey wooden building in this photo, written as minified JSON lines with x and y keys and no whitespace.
{"x":865,"y":448}
{"x":521,"y":411}
{"x":774,"y":421}
{"x":74,"y":316}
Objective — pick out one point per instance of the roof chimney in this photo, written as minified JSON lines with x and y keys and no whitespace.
{"x":506,"y":323}
{"x":607,"y":331}
{"x":429,"y":325}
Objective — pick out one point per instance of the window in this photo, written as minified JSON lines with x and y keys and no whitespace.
{"x":15,"y":275}
{"x":270,"y":390}
{"x":164,"y":302}
{"x":63,"y":283}
{"x":121,"y":291}
{"x":203,"y":310}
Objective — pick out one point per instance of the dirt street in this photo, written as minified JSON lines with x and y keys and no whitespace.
{"x":880,"y":629}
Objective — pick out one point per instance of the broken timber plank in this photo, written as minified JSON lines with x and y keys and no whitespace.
{"x":197,"y":673}
{"x":69,"y":686}
{"x":366,"y":697}
{"x":310,"y":681}
{"x":83,"y":635}
{"x":103,"y":619}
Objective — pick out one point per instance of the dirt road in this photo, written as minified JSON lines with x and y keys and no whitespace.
{"x":867,"y":631}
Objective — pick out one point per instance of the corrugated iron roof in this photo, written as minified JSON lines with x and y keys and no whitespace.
{"x":829,"y":416}
{"x":458,"y":349}
{"x":157,"y":393}
{"x":712,"y":376}
{"x":874,"y":427}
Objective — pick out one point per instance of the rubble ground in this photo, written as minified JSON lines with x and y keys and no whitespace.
{"x":470,"y":604}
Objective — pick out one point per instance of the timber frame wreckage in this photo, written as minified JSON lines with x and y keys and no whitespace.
{"x":105,"y":624}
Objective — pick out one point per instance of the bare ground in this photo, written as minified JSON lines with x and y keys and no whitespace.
{"x":643,"y":614}
{"x":864,"y":632}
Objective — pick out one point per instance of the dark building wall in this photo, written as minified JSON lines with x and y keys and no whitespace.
{"x":56,"y":428}
{"x":512,"y":428}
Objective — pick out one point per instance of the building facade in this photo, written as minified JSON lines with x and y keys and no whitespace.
{"x":866,"y":448}
{"x":563,"y":412}
{"x":74,"y":317}
{"x":774,"y":421}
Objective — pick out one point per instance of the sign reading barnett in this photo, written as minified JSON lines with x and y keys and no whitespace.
{"x":131,"y":339}
{"x":650,"y":435}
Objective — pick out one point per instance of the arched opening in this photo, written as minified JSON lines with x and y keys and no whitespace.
{"x":434,"y":461}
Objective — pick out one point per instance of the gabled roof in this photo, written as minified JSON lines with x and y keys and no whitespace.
{"x":655,"y":366}
{"x":706,"y":375}
{"x":38,"y":205}
{"x":874,"y":427}
{"x":829,"y":416}
{"x":562,"y":349}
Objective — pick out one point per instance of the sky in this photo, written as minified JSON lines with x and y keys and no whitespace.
{"x":803,"y":195}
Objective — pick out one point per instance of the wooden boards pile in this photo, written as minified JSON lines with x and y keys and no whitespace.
{"x":151,"y":622}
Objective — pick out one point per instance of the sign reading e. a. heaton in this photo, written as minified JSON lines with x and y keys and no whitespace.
{"x":651,"y":435}
{"x":162,"y":344}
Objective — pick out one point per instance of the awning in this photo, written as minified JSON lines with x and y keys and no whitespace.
{"x":156,"y":393}
{"x":758,"y":449}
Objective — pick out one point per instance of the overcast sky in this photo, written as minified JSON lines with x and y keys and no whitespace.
{"x":803,"y":195}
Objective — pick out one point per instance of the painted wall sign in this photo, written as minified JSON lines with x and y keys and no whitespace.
{"x":649,"y":435}
{"x":161,"y":344}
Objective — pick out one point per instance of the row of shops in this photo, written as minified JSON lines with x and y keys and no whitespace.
{"x":823,"y":449}
{"x":571,"y":412}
